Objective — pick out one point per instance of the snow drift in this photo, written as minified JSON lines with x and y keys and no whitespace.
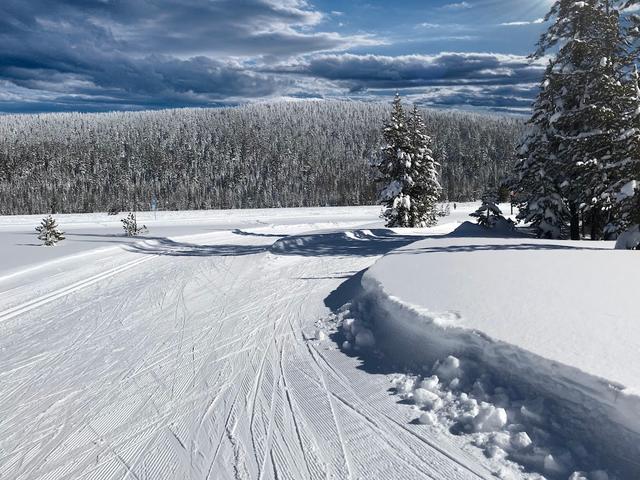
{"x":554,"y":321}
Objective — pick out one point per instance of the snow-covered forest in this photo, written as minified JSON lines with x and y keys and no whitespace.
{"x":285,"y":154}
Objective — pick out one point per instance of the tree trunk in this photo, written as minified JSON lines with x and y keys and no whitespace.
{"x":575,"y":221}
{"x":595,"y":224}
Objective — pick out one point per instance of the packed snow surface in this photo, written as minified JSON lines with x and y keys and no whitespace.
{"x":234,"y":345}
{"x":199,"y":351}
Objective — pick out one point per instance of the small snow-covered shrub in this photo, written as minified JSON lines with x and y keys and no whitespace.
{"x":130,"y":225}
{"x":49,"y":232}
{"x":489,"y":215}
{"x":444,"y":211}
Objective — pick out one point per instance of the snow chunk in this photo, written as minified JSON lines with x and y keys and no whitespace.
{"x":430,"y":383}
{"x":628,"y":190}
{"x":357,"y":333}
{"x":489,"y":418}
{"x":426,"y":399}
{"x":428,"y":418}
{"x":449,"y":369}
{"x":520,"y":441}
{"x":365,"y":338}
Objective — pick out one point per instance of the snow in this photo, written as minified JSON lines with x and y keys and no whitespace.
{"x":235,"y":344}
{"x":506,"y":320}
{"x":87,"y":232}
{"x":628,"y":190}
{"x":183,"y":354}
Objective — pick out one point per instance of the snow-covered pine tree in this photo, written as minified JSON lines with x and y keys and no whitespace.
{"x":585,"y":77}
{"x":408,"y":171}
{"x":537,"y":189}
{"x":395,"y":167}
{"x":625,"y":189}
{"x":48,"y":232}
{"x":489,"y":214}
{"x":426,"y":190}
{"x":130,"y":226}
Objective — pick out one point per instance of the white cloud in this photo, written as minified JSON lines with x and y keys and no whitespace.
{"x":520,"y":23}
{"x":457,"y":6}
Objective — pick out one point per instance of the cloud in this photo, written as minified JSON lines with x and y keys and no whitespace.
{"x":116,"y":54}
{"x":154,"y":52}
{"x":469,"y":80}
{"x":457,"y":6}
{"x":537,"y":21}
{"x":447,"y":68}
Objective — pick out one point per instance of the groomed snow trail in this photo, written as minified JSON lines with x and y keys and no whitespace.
{"x":192,"y":361}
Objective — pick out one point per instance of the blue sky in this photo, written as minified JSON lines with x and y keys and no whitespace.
{"x":99,"y":55}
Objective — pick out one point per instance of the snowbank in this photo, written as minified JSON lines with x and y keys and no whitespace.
{"x":544,"y":320}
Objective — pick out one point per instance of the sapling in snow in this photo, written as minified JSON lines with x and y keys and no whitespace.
{"x":489,"y":215}
{"x":49,"y":232}
{"x":130,"y":225}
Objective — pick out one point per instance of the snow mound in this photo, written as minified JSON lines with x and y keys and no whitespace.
{"x":524,"y":346}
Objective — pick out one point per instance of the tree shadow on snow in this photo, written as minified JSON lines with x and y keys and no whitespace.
{"x":165,"y":246}
{"x":237,"y":231}
{"x":360,"y":243}
{"x":496,"y":247}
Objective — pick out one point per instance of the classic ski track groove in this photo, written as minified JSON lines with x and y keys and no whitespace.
{"x":28,"y":306}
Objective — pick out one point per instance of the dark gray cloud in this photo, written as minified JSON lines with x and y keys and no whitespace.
{"x":146,"y":53}
{"x":132,"y":54}
{"x":467,"y":80}
{"x":376,"y":72}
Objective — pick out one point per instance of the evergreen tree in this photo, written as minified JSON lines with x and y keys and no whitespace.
{"x":489,"y":214}
{"x":130,"y":226}
{"x":408,"y":171}
{"x":579,"y":114}
{"x":395,"y":167}
{"x":426,"y":190}
{"x":48,"y":232}
{"x":537,"y":189}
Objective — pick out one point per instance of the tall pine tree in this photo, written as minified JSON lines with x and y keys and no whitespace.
{"x":426,"y":190}
{"x":537,"y":189}
{"x":408,"y":171}
{"x":579,"y":116}
{"x":394,"y":169}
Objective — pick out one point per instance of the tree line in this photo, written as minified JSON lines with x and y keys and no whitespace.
{"x":282,"y":154}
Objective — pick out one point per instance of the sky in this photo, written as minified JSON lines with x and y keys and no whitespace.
{"x":103,"y":55}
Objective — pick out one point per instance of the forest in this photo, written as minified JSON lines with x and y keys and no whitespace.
{"x":280,"y":154}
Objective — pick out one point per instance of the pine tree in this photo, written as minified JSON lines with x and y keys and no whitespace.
{"x":537,"y":189}
{"x":48,"y":232}
{"x":130,"y":225}
{"x":426,"y":190}
{"x":408,"y":171}
{"x":394,"y":169}
{"x":489,"y":214}
{"x":625,"y":190}
{"x":579,"y":116}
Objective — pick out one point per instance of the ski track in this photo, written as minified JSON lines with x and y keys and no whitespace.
{"x":161,"y":367}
